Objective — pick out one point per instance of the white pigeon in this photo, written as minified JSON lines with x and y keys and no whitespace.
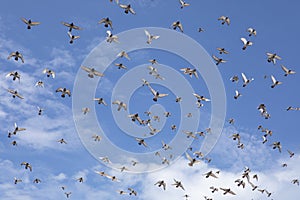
{"x":251,"y":31}
{"x":275,"y":82}
{"x":246,"y":80}
{"x":287,"y":71}
{"x":183,"y":4}
{"x":111,"y":38}
{"x":237,"y":94}
{"x":150,"y":37}
{"x":272,"y":57}
{"x":246,"y":43}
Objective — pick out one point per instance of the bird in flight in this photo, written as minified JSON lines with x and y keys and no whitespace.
{"x":29,"y":23}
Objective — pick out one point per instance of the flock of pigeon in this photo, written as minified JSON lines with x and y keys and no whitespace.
{"x":246,"y":177}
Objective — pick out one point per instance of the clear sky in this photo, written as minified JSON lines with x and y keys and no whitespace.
{"x":56,"y":165}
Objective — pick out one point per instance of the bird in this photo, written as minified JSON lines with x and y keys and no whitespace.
{"x":120,"y":66}
{"x":287,"y":71}
{"x":91,"y":72}
{"x":120,"y":104}
{"x":200,"y":97}
{"x":121,"y":192}
{"x":72,"y":37}
{"x":227,"y":190}
{"x":106,"y":21}
{"x":17,"y":129}
{"x":240,"y":183}
{"x":17,"y":55}
{"x":210,"y":173}
{"x":29,"y":23}
{"x":277,"y":145}
{"x":15,"y":93}
{"x":200,"y":30}
{"x":165,"y":146}
{"x":27,"y":165}
{"x":177,"y":24}
{"x":178,"y":184}
{"x":234,"y":78}
{"x":246,"y":43}
{"x":224,"y":20}
{"x":246,"y":80}
{"x":192,"y":160}
{"x":190,"y":134}
{"x":85,"y":110}
{"x":222,"y":50}
{"x":145,"y":82}
{"x":132,"y":192}
{"x":63,"y":91}
{"x":213,"y":189}
{"x":183,"y":4}
{"x":190,"y":71}
{"x":141,"y":142}
{"x":97,"y":138}
{"x":236,"y":136}
{"x":127,"y":8}
{"x":231,"y":121}
{"x":151,"y":37}
{"x":251,"y":31}
{"x":295,"y":181}
{"x":80,"y":179}
{"x":40,"y":110}
{"x":39,"y":83}
{"x":291,"y":153}
{"x":272,"y":57}
{"x":16,"y":180}
{"x":237,"y":94}
{"x":37,"y":180}
{"x":123,"y":54}
{"x":62,"y":141}
{"x":14,"y":143}
{"x":198,"y":154}
{"x":71,"y":26}
{"x":68,"y":194}
{"x":111,"y":37}
{"x":153,"y":61}
{"x":49,"y":72}
{"x":100,"y":101}
{"x":275,"y":82}
{"x":161,"y":183}
{"x":156,"y":94}
{"x":14,"y":74}
{"x":218,"y":60}
{"x":135,"y":117}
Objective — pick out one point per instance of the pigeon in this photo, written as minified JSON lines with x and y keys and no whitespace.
{"x":251,"y":31}
{"x":275,"y":82}
{"x":150,"y":37}
{"x":72,"y":37}
{"x":127,"y":8}
{"x":287,"y":71}
{"x":246,"y":80}
{"x":246,"y":43}
{"x":272,"y":57}
{"x":63,"y":91}
{"x":224,"y":20}
{"x":91,"y":72}
{"x":17,"y":55}
{"x":177,"y":24}
{"x":218,"y":60}
{"x":111,"y":38}
{"x":106,"y":21}
{"x":29,"y":23}
{"x":71,"y":26}
{"x":183,"y":4}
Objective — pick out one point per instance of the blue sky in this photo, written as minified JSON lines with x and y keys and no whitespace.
{"x":47,"y":46}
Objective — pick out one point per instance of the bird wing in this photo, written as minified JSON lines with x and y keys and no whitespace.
{"x":87,"y":69}
{"x":284,"y":69}
{"x":162,"y":95}
{"x":18,"y":95}
{"x":244,"y":77}
{"x":215,"y":58}
{"x":123,"y":6}
{"x":273,"y":79}
{"x":24,"y":20}
{"x":188,"y":157}
{"x":148,"y":34}
{"x":244,"y":41}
